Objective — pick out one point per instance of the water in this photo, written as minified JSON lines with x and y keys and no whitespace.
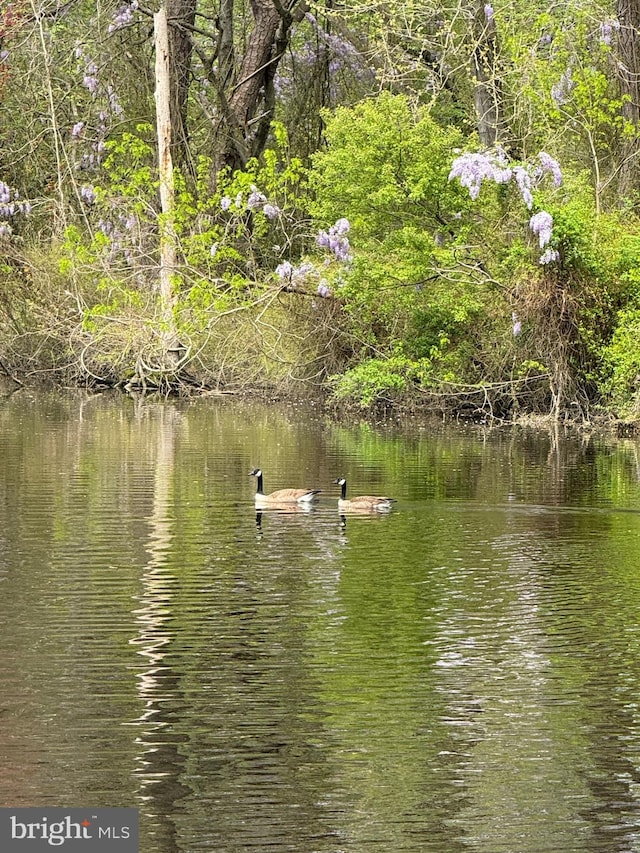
{"x":462,"y":674}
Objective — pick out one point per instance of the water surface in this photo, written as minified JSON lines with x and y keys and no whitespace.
{"x":460,"y":674}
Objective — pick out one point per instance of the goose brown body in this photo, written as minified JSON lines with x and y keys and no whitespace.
{"x":366,"y":503}
{"x":282,"y":496}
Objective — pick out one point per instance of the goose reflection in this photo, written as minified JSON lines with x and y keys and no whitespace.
{"x":284,"y":513}
{"x":363,"y":516}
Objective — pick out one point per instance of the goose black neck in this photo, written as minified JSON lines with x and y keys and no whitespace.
{"x":343,"y":494}
{"x":259,"y":489}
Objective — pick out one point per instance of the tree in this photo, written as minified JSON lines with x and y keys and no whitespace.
{"x":487,"y":94}
{"x":181,"y":15}
{"x":628,"y":48}
{"x":244,"y":82}
{"x":168,"y":254}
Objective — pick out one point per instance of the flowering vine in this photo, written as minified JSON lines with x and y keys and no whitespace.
{"x":90,"y":139}
{"x":472,"y":169}
{"x":336,"y":242}
{"x":11,"y":205}
{"x":256,"y":201}
{"x":123,"y":17}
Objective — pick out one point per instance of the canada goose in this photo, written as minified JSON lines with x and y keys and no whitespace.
{"x":362,"y":502}
{"x":282,"y":496}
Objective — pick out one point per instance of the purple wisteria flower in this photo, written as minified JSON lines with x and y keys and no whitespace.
{"x":524,"y":182}
{"x":335,"y":240}
{"x":488,"y":11}
{"x":77,"y":129}
{"x":607,"y":28}
{"x":517,"y":325}
{"x":90,"y":79}
{"x":213,"y":251}
{"x":284,"y":270}
{"x":88,"y":194}
{"x":549,"y":256}
{"x":301,"y":273}
{"x":307,"y":273}
{"x":541,"y":223}
{"x":114,"y":103}
{"x":88,"y":162}
{"x":271,"y":211}
{"x":123,"y":232}
{"x":225,"y":202}
{"x":552,"y":166}
{"x":11,"y":204}
{"x":322,"y":49}
{"x":105,"y":227}
{"x":294,"y":276}
{"x":256,"y":200}
{"x":91,"y":83}
{"x":472,"y":169}
{"x":561,"y":90}
{"x":123,"y":17}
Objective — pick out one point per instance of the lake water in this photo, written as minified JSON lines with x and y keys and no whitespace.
{"x":461,"y":674}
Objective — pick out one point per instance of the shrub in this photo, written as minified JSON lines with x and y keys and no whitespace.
{"x":386,"y":169}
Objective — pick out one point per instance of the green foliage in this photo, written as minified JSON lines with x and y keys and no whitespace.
{"x":622,"y":359}
{"x":372,"y":380}
{"x":434,"y":277}
{"x":385,"y":169}
{"x":574,"y":234}
{"x":376,"y":379}
{"x":563,"y":86}
{"x":621,"y":352}
{"x":228,"y":243}
{"x":130,"y":168}
{"x":222,"y":247}
{"x":580,"y":313}
{"x":530,"y":367}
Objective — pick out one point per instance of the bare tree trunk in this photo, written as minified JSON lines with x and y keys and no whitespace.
{"x":168,"y":242}
{"x":487,"y":98}
{"x":629,"y":75}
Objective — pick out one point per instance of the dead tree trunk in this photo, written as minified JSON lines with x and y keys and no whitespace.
{"x":168,"y":253}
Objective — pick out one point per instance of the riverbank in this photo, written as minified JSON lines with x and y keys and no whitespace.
{"x":417,"y":410}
